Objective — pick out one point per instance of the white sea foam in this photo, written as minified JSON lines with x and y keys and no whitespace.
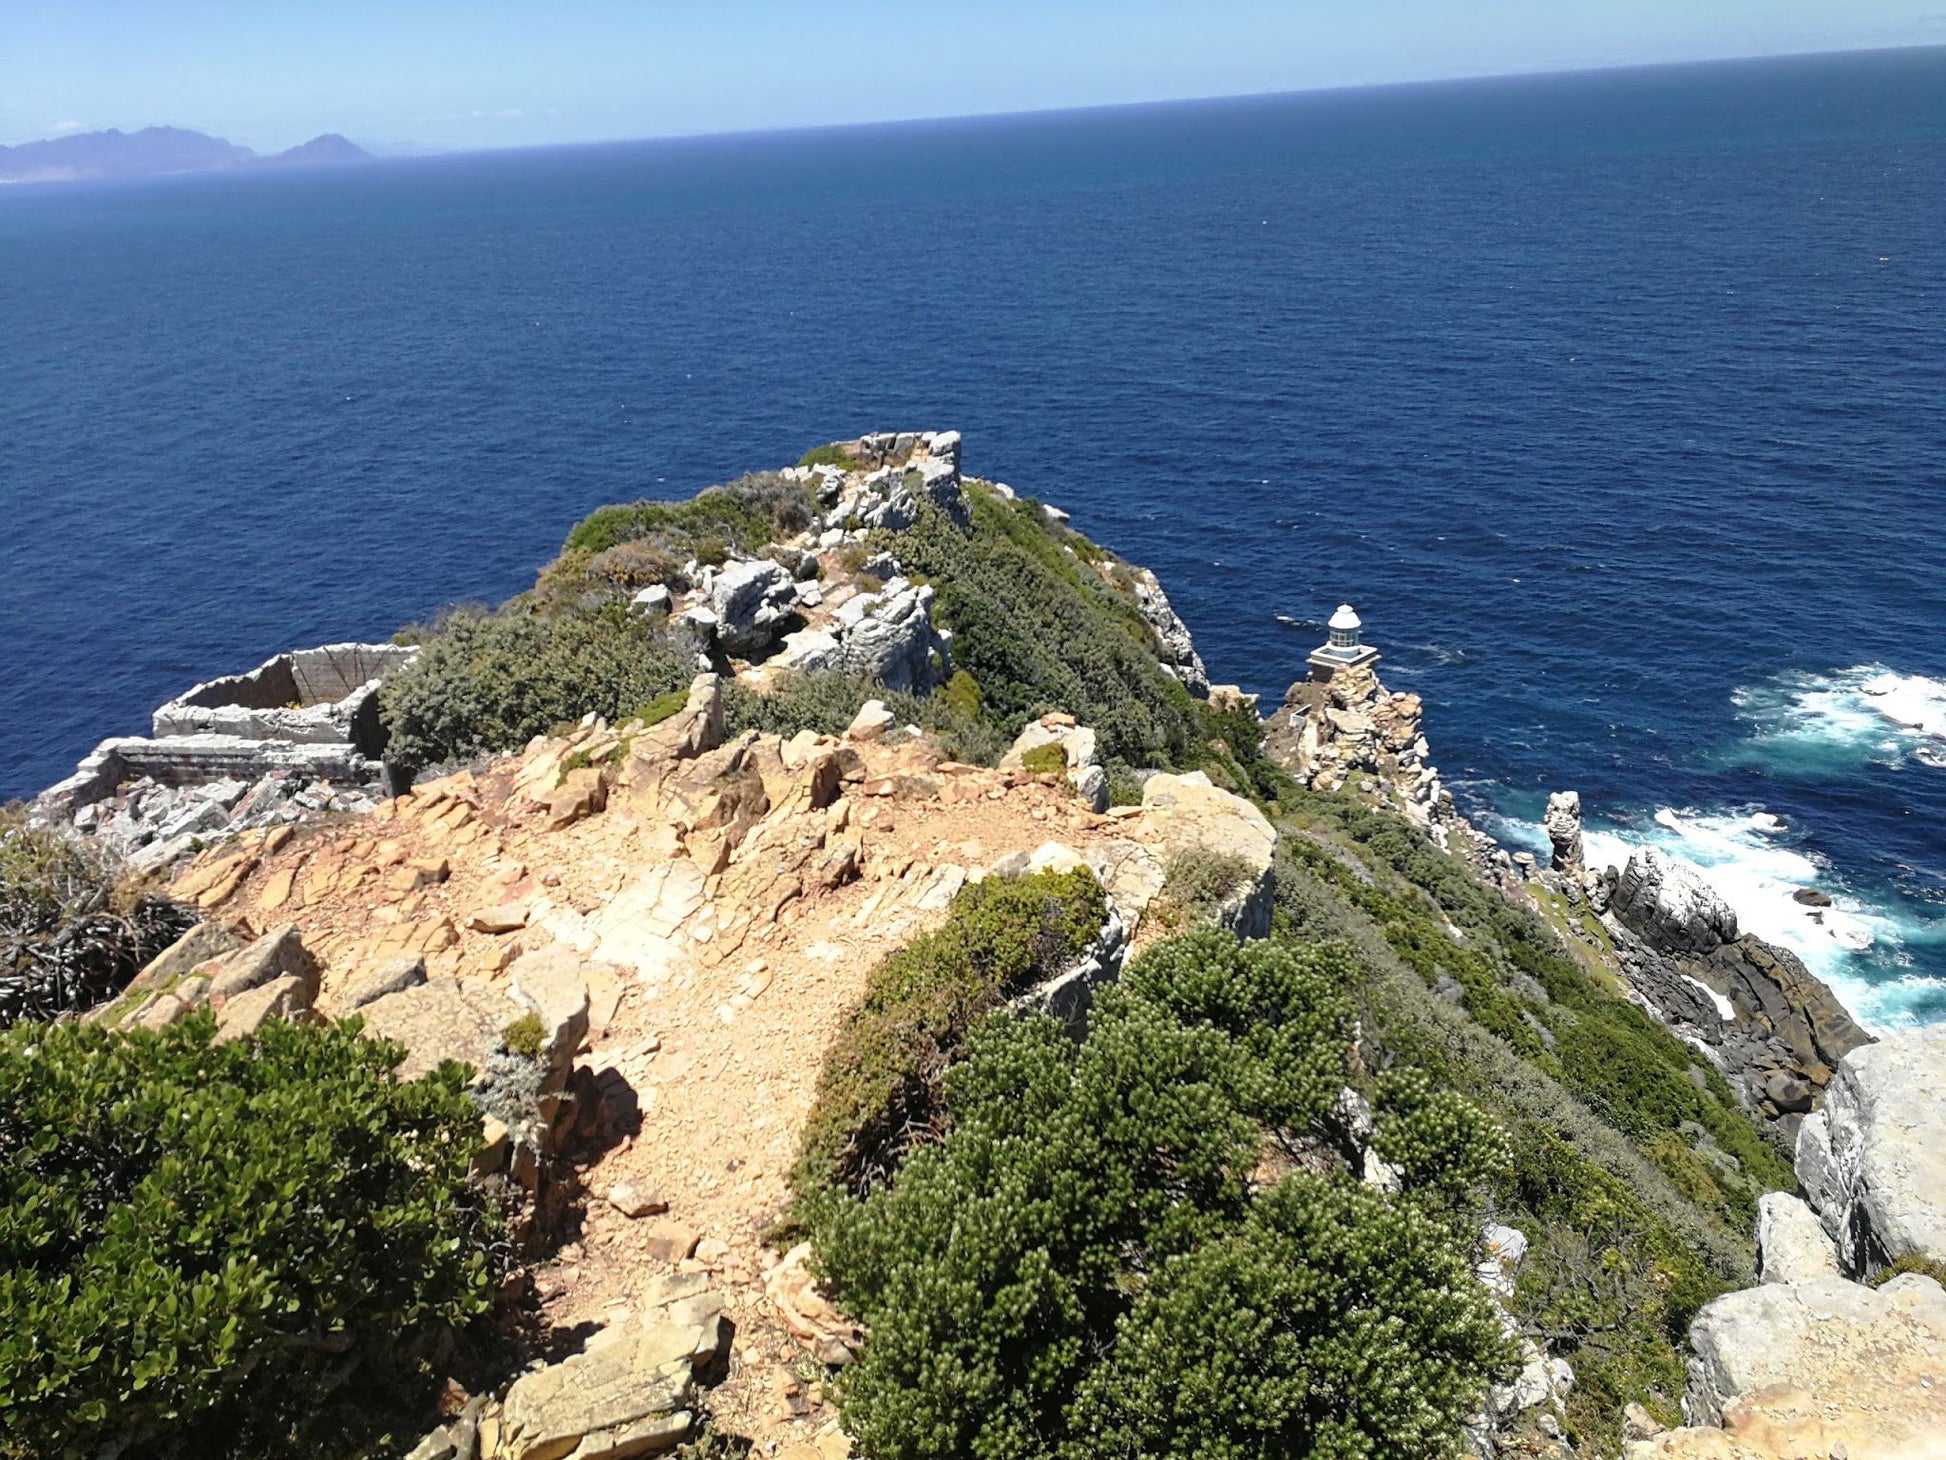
{"x":1852,"y":945}
{"x":1866,"y":712}
{"x":1725,"y":1010}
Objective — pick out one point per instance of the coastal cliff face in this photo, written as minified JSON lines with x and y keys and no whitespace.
{"x":679,"y":809}
{"x":1843,"y":1347}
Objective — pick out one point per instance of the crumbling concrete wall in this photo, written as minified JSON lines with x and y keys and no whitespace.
{"x":311,"y":713}
{"x":322,"y":696}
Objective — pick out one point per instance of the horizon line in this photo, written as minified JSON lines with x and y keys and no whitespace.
{"x":1028,"y":113}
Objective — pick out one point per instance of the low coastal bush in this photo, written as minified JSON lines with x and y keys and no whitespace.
{"x":1629,"y":1237}
{"x":1196,"y":884}
{"x":827,"y":703}
{"x":615,"y":551}
{"x":1519,"y":982}
{"x":490,"y":681}
{"x":254,"y":1241}
{"x":73,"y":928}
{"x":1043,"y":619}
{"x":879,"y":1090}
{"x":1039,"y":629}
{"x":832,"y":454}
{"x":1045,"y":760}
{"x":1090,"y":1264}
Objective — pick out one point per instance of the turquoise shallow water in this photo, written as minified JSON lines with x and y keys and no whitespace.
{"x":1615,"y":403}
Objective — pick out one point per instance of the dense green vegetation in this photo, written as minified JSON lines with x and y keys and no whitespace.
{"x":1634,"y":1173}
{"x":614,"y":551}
{"x":1040,"y":629}
{"x":73,"y":928}
{"x":256,"y":1240}
{"x":491,"y":681}
{"x":1101,"y":1259}
{"x":879,"y":1089}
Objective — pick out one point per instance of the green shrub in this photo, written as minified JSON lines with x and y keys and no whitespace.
{"x":1196,"y":884}
{"x":746,"y":513}
{"x":204,"y":1240}
{"x":73,"y":928}
{"x":615,"y":551}
{"x":1041,"y":630}
{"x":660,"y":708}
{"x":827,"y":703}
{"x":1333,"y":1324}
{"x":961,"y":695}
{"x":1083,"y":1266}
{"x":1930,"y":1267}
{"x":489,"y":682}
{"x":1517,"y":981}
{"x":831,"y":455}
{"x":523,"y":1036}
{"x":1045,"y":760}
{"x":1629,"y":1237}
{"x":879,"y":1088}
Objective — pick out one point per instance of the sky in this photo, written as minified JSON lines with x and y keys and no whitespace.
{"x":437,"y":75}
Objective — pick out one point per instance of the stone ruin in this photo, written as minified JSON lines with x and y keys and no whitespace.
{"x":298,"y":734}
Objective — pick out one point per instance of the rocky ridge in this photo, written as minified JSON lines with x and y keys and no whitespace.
{"x":1351,"y":730}
{"x":643,"y":937}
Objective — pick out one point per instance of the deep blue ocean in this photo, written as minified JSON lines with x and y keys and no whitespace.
{"x":1616,"y":403}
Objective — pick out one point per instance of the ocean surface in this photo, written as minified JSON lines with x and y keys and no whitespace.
{"x":1616,"y":403}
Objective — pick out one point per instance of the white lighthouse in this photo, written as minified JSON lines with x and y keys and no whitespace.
{"x":1344,"y":649}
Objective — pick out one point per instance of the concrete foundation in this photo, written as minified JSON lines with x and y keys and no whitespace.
{"x":311,"y":711}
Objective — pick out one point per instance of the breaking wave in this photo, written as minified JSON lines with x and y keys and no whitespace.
{"x":1866,"y":713}
{"x":1861,"y":947}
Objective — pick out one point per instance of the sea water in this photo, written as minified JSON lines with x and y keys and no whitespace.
{"x":1616,"y":404}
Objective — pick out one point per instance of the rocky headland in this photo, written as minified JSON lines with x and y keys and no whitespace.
{"x":644,"y":931}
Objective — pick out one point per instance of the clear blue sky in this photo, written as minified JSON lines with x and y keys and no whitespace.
{"x":439,"y":74}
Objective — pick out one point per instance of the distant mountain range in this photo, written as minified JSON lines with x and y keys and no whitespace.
{"x":156,"y":150}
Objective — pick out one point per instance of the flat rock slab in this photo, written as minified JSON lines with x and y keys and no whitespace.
{"x":627,"y":1394}
{"x":436,"y":1021}
{"x":1821,"y":1368}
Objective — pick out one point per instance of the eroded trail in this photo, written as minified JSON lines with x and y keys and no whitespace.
{"x":723,"y":903}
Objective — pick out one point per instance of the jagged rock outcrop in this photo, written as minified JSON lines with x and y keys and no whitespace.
{"x":1353,"y":731}
{"x":1873,"y":1161}
{"x":1562,"y":821}
{"x":1811,"y":1363}
{"x":751,"y":601}
{"x":1669,"y":905}
{"x":1772,"y":1026}
{"x":630,"y":1391}
{"x":1819,"y":1368}
{"x":1189,"y":813}
{"x":1077,"y":744}
{"x":274,"y":976}
{"x":886,"y":635}
{"x":1176,"y":649}
{"x":918,"y":467}
{"x":889,"y":636}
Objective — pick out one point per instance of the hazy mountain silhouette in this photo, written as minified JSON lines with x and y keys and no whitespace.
{"x":152,"y":151}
